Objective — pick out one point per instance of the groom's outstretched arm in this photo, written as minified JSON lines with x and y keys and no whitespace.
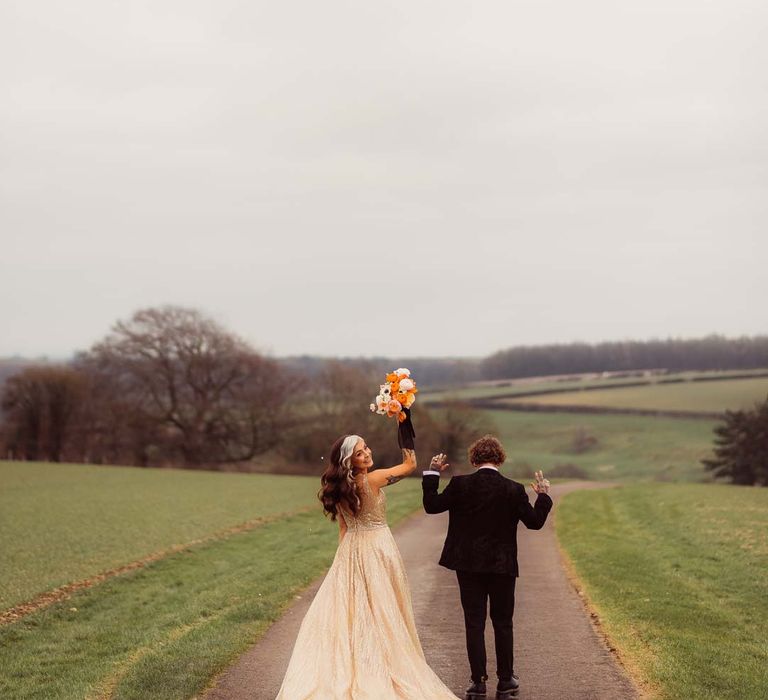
{"x":534,"y":516}
{"x":433,"y":501}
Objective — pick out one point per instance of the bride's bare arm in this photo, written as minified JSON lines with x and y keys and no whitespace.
{"x":385,"y":477}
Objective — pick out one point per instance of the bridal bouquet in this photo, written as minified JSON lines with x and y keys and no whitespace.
{"x":398,"y":393}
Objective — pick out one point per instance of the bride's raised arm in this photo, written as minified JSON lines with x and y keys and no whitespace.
{"x":398,"y":381}
{"x":385,"y":477}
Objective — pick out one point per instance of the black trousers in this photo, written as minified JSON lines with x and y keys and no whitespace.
{"x":476,"y":590}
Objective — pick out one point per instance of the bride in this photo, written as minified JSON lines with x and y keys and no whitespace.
{"x":358,"y":640}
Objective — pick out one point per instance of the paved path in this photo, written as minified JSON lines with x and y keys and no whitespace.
{"x":558,"y":654}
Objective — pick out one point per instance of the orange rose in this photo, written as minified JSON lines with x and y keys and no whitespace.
{"x":391,"y":377}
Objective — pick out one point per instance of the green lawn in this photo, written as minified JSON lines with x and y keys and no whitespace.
{"x":686,"y":396}
{"x":627,"y":448}
{"x":677,"y":575}
{"x":64,"y":522}
{"x":162,"y":631}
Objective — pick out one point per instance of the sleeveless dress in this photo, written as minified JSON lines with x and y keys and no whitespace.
{"x":358,"y":639}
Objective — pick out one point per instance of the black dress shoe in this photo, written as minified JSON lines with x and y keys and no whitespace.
{"x":508,"y":689}
{"x":476,"y":690}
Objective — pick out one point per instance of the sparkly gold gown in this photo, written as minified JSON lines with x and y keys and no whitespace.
{"x":358,"y":640}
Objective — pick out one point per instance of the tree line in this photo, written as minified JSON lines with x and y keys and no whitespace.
{"x":170,"y":387}
{"x":714,"y":352}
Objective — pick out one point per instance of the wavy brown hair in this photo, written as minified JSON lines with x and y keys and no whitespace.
{"x":486,"y":449}
{"x":338,"y":485}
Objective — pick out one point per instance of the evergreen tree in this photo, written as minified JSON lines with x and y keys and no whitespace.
{"x":741,"y":447}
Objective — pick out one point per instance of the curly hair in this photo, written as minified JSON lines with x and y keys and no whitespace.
{"x":488,"y":450}
{"x":338,"y":486}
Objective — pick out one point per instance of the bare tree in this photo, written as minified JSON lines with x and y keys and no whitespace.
{"x":112,"y":428}
{"x":336,"y":403}
{"x":188,"y":388}
{"x":455,"y":426}
{"x":41,"y":408}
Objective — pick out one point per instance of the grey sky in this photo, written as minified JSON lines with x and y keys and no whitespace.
{"x":359,"y":178}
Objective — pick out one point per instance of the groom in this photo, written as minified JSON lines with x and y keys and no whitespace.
{"x":481,"y":546}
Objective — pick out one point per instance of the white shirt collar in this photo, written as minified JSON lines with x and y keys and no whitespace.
{"x":488,"y":466}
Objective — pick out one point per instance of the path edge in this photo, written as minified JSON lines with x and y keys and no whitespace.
{"x":645,"y":688}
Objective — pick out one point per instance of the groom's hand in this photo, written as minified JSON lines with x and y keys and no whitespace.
{"x":438,"y":463}
{"x":541,"y":485}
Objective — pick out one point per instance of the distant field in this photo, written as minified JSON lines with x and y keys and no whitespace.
{"x":627,"y":448}
{"x":163,"y":630}
{"x":484,"y":391}
{"x":676,"y":574}
{"x":686,"y":396}
{"x":517,"y":386}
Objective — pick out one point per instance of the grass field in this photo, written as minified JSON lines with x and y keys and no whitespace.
{"x":686,"y":396}
{"x":163,"y":630}
{"x":489,"y":391}
{"x":677,"y":575}
{"x":627,"y":448}
{"x":63,"y":522}
{"x":486,"y":390}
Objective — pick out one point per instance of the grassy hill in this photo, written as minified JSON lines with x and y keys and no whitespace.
{"x":676,"y":573}
{"x":624,"y":448}
{"x":602,"y":443}
{"x":749,"y":385}
{"x":730,"y":394}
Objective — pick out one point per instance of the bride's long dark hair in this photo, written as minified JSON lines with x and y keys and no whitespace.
{"x":339,"y":487}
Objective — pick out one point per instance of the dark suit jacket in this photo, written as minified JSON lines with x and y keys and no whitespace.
{"x":484,"y":508}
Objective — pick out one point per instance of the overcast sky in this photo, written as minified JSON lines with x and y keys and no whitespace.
{"x":368,"y":178}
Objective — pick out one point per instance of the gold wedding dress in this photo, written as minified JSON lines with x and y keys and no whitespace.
{"x":358,"y":640}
